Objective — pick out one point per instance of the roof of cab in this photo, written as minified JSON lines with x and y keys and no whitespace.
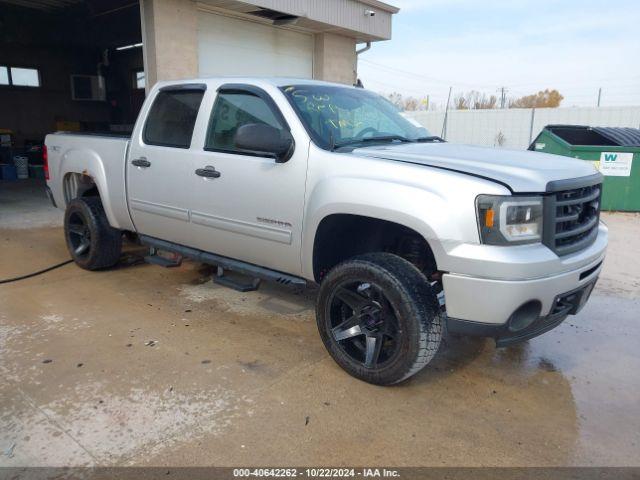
{"x":257,"y":81}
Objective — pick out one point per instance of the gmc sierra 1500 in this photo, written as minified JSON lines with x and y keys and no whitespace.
{"x":296,"y":180}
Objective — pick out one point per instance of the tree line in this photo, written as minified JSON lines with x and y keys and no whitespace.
{"x":475,"y":100}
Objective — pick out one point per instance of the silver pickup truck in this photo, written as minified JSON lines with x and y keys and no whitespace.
{"x":301,"y":181}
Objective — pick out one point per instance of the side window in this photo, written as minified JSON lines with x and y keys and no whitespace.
{"x":230,"y":112}
{"x":172,"y":117}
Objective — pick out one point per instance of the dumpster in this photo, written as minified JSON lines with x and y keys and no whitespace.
{"x":615,"y":151}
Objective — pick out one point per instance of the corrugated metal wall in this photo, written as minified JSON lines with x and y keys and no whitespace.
{"x":348,"y":14}
{"x":516,"y":128}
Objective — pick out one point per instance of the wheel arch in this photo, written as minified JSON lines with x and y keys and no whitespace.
{"x":83,"y":184}
{"x":79,"y":185}
{"x":424,"y":211}
{"x":82,"y":172}
{"x":339,"y":236}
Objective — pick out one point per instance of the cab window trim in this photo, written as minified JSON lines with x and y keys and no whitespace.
{"x":244,"y":89}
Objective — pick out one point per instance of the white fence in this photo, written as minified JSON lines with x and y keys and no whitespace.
{"x":517,"y":128}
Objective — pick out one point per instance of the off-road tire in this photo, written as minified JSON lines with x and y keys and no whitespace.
{"x":105,"y":241}
{"x":416,"y":309}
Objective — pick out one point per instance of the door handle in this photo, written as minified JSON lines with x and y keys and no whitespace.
{"x":208,"y":172}
{"x":141,"y":162}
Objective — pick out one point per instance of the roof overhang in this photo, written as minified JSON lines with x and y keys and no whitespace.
{"x":381,"y":5}
{"x":364,"y":20}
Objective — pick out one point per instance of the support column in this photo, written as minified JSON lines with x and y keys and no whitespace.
{"x":170,"y":39}
{"x":335,"y":58}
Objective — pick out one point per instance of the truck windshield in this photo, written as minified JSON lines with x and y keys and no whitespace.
{"x":339,"y":117}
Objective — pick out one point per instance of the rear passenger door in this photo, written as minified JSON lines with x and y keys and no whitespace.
{"x":160,"y":164}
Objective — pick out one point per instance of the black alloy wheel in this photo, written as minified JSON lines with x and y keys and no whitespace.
{"x":92,"y":242}
{"x":364,"y":323}
{"x":79,"y":235}
{"x":379,"y":318}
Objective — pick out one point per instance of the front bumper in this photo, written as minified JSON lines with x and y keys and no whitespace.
{"x":515,"y":308}
{"x":569,"y":303}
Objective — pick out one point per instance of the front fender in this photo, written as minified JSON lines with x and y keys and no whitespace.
{"x":443,"y":220}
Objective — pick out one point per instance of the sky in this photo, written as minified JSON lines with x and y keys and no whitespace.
{"x":574,"y":46}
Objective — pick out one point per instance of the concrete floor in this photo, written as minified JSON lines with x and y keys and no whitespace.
{"x":146,"y":366}
{"x":24,"y":204}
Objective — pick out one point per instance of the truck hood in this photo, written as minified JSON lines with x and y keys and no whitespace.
{"x":521,"y":171}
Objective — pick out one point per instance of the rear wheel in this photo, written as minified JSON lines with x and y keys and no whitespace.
{"x":379,"y":318}
{"x":92,"y":242}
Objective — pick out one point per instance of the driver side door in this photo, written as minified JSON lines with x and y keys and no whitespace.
{"x":252,"y":208}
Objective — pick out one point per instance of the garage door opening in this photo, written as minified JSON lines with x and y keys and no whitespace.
{"x":67,"y":65}
{"x":233,"y":46}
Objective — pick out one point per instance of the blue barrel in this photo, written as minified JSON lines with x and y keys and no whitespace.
{"x":8,"y":172}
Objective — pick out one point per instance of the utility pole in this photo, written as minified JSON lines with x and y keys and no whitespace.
{"x":446,"y":116}
{"x":599,"y":95}
{"x":503,"y":96}
{"x":533,"y":118}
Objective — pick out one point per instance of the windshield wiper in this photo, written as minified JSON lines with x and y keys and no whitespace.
{"x":385,"y":138}
{"x":433,"y":138}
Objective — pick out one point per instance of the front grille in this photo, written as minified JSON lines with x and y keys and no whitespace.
{"x":574,"y":217}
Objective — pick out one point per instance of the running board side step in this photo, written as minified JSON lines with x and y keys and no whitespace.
{"x":255,"y":272}
{"x":222,"y":279}
{"x":161,"y":261}
{"x":155,"y":258}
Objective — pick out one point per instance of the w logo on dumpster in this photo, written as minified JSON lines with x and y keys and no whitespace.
{"x":616,"y":164}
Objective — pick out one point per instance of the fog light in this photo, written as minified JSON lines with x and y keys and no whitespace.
{"x":524,"y":316}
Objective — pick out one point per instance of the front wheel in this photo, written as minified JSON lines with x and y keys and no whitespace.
{"x":92,"y":242}
{"x":379,"y":318}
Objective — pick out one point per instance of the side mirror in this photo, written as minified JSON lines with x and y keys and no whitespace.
{"x":265,"y":139}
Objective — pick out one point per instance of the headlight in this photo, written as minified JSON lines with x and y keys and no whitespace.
{"x":509,"y":220}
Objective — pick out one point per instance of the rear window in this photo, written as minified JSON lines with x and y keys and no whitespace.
{"x":172,"y":117}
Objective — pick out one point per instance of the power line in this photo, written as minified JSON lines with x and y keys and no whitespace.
{"x":396,"y":88}
{"x":420,"y":76}
{"x":608,"y":93}
{"x":581,"y":86}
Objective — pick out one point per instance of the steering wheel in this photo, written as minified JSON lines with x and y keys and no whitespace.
{"x":364,"y":131}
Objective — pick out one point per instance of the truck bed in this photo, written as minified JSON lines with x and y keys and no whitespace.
{"x":95,"y":134}
{"x":102,"y":157}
